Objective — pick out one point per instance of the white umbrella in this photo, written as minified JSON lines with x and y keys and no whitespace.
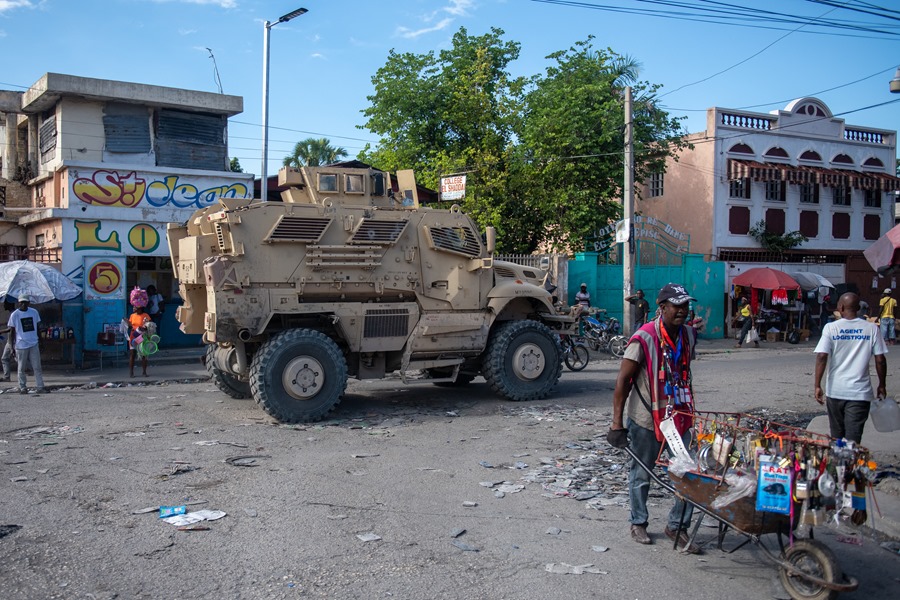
{"x":810,"y":281}
{"x":42,"y":282}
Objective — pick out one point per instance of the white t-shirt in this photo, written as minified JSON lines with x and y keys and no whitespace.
{"x":850,"y":345}
{"x":25,"y":322}
{"x":153,"y":303}
{"x":583,"y":298}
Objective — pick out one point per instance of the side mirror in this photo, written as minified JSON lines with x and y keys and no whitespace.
{"x":490,"y":239}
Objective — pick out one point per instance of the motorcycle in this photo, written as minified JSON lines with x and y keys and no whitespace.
{"x":603,"y":332}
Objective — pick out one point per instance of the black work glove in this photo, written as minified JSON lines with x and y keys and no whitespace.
{"x":617,"y":438}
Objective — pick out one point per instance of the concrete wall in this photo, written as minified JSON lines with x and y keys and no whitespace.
{"x":687,"y":200}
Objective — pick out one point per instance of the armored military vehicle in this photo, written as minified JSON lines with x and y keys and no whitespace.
{"x":348,"y":276}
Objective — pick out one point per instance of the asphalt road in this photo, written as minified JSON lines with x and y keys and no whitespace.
{"x":402,"y":463}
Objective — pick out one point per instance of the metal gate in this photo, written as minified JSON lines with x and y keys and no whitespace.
{"x":661,"y":257}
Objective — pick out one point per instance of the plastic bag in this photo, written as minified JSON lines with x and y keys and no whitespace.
{"x":885,"y":415}
{"x":680,"y":464}
{"x":752,"y":336}
{"x":740,"y":485}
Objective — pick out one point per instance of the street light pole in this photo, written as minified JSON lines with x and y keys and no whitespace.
{"x":263,"y":177}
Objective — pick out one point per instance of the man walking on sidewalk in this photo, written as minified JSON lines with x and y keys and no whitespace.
{"x":23,"y":323}
{"x":850,"y":343}
{"x":886,"y":317}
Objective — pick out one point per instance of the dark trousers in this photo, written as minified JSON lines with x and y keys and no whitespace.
{"x":748,"y":323}
{"x":846,"y":418}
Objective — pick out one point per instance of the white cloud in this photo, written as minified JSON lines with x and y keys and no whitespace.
{"x":411,"y":34}
{"x":187,"y":31}
{"x":11,"y":4}
{"x":318,"y":55}
{"x":459,"y":8}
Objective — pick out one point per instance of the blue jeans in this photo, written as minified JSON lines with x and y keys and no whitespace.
{"x":887,"y":328}
{"x":646,"y":447}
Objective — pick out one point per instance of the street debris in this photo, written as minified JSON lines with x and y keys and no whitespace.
{"x":363,"y":455}
{"x":567,"y":569}
{"x":28,"y":433}
{"x":368,"y":537}
{"x":469,"y":504}
{"x":247,"y":460}
{"x":194,"y":517}
{"x":6,"y":530}
{"x":599,"y":548}
{"x":457,"y":532}
{"x":218,"y":443}
{"x":464,"y":546}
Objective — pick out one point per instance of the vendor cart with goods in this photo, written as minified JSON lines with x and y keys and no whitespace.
{"x":757,"y":477}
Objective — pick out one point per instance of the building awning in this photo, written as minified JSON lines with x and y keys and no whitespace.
{"x":757,"y":171}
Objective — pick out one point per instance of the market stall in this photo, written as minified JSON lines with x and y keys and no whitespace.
{"x":47,"y":288}
{"x":775,"y":297}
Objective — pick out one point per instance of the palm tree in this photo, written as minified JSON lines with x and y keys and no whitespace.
{"x":314,"y":152}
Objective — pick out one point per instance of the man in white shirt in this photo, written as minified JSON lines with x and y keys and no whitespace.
{"x":850,"y":342}
{"x":23,"y":323}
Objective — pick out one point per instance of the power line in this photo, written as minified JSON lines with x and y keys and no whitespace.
{"x":740,"y":16}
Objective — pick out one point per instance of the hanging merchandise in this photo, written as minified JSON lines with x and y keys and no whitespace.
{"x":758,"y":467}
{"x":780,"y":297}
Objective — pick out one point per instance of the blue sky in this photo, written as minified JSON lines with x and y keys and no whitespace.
{"x":322,"y":62}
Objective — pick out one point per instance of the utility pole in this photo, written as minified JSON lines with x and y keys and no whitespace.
{"x":628,"y":215}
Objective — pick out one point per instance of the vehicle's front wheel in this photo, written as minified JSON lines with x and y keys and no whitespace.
{"x":226,"y":382}
{"x":523,"y":360}
{"x":298,"y":376}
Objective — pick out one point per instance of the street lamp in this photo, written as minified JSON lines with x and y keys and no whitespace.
{"x":263,"y":178}
{"x":895,"y":82}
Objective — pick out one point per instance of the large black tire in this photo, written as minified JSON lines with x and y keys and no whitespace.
{"x":816,"y":559}
{"x":298,"y":376}
{"x":523,"y":360}
{"x":226,"y":382}
{"x":576,"y":357}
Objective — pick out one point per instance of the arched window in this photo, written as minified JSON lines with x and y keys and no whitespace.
{"x":842,"y":159}
{"x":873,"y":163}
{"x":741,"y":149}
{"x":811,"y":155}
{"x":776,"y":152}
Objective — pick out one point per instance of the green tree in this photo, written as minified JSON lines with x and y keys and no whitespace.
{"x":235,"y":165}
{"x":573,"y":133}
{"x":313,"y":152}
{"x":450,"y":112}
{"x":543,"y":156}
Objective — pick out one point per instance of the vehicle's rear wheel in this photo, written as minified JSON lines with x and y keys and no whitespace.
{"x":226,"y":382}
{"x":523,"y":360}
{"x":298,"y":376}
{"x":813,"y":558}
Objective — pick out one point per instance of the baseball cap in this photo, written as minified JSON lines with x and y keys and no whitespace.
{"x":888,"y":291}
{"x":25,"y":298}
{"x":583,"y":285}
{"x":674,"y":293}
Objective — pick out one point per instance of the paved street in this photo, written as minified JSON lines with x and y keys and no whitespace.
{"x":402,"y":463}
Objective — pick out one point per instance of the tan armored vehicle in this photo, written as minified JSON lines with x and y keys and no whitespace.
{"x":350,"y":277}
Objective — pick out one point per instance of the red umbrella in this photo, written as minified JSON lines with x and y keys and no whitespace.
{"x":884,"y":255}
{"x":764,"y":278}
